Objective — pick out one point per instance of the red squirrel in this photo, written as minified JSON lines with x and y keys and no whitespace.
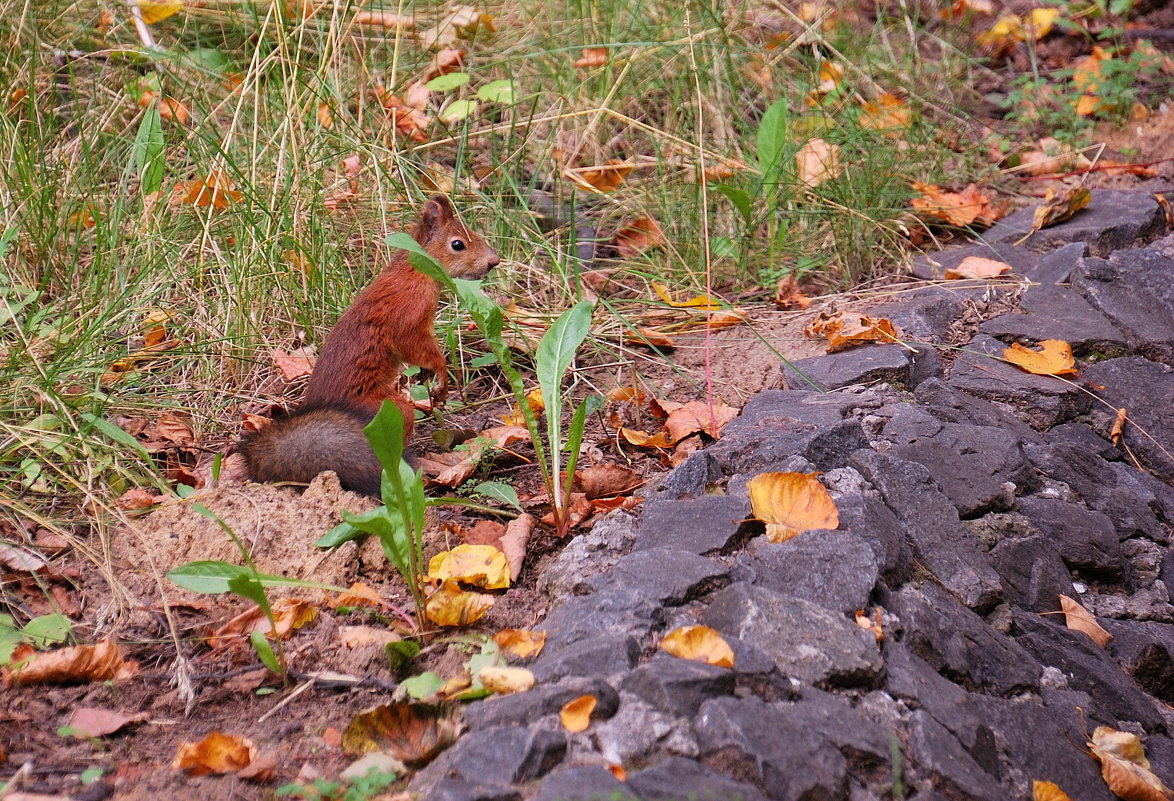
{"x":388,"y":325}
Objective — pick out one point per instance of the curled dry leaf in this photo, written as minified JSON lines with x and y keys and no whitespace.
{"x":699,"y":644}
{"x":888,"y":113}
{"x":788,"y":296}
{"x":1124,"y":766}
{"x":482,"y":566}
{"x":1118,"y":428}
{"x":1047,"y":791}
{"x":687,"y":418}
{"x":515,"y":540}
{"x":576,"y":715}
{"x":1077,"y":618}
{"x":74,"y":665}
{"x":649,"y":338}
{"x":296,"y":364}
{"x":216,"y":753}
{"x":591,"y":57}
{"x":978,"y":267}
{"x":605,"y":480}
{"x":639,"y":236}
{"x":502,"y":680}
{"x":95,"y":722}
{"x":873,"y":624}
{"x":702,"y":302}
{"x":452,"y":469}
{"x":816,"y":162}
{"x":138,"y":498}
{"x":1057,"y":208}
{"x":1053,"y":358}
{"x":452,"y":606}
{"x":791,"y":503}
{"x":580,"y":509}
{"x":606,"y":178}
{"x":521,"y":643}
{"x":845,"y":330}
{"x":359,"y":594}
{"x":289,"y":614}
{"x":214,"y":189}
{"x":388,"y":20}
{"x":413,"y":733}
{"x":641,"y":439}
{"x":968,"y":207}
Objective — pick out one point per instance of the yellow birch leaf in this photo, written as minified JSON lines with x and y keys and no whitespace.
{"x":1053,"y":358}
{"x":521,"y":643}
{"x":1124,"y":766}
{"x":1047,"y":791}
{"x":451,"y":606}
{"x":700,"y":644}
{"x":576,"y":715}
{"x":480,"y":565}
{"x":791,"y":503}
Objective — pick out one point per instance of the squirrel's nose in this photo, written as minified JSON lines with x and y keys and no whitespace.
{"x":493,"y":260}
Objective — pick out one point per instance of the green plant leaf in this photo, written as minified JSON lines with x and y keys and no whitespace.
{"x":499,"y":491}
{"x":246,"y":586}
{"x":772,"y":142}
{"x":423,"y":686}
{"x":264,"y":651}
{"x":48,"y":629}
{"x":446,"y":83}
{"x":212,"y":577}
{"x":458,"y":110}
{"x":343,"y":532}
{"x":148,"y":151}
{"x":740,"y":198}
{"x":117,"y":434}
{"x":557,"y":350}
{"x":498,"y":92}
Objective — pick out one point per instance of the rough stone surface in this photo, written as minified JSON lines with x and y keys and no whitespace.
{"x":966,"y":507}
{"x":1113,"y":219}
{"x":933,"y":266}
{"x":866,"y":365}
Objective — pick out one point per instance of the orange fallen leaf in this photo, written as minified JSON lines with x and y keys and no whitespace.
{"x":296,"y":364}
{"x":325,"y":115}
{"x":888,"y":113}
{"x":1053,"y":358}
{"x":579,"y":509}
{"x":522,"y":643}
{"x":639,"y":236}
{"x":641,"y":439}
{"x":289,"y":614}
{"x":605,"y":178}
{"x":216,"y":753}
{"x":787,"y":294}
{"x":1047,"y":791}
{"x":73,"y":665}
{"x":687,"y":418}
{"x":699,"y":644}
{"x":968,"y":207}
{"x":412,"y":732}
{"x":482,"y":566}
{"x":1057,"y":208}
{"x":817,"y":161}
{"x":872,"y":624}
{"x":451,"y":606}
{"x":617,"y":771}
{"x":649,"y":338}
{"x":591,"y":57}
{"x":978,"y":267}
{"x":1118,"y":426}
{"x":845,"y":330}
{"x":452,"y":469}
{"x":214,"y":189}
{"x":408,"y":118}
{"x":1124,"y":766}
{"x":791,"y":503}
{"x":576,"y":715}
{"x":606,"y":479}
{"x":1077,"y":618}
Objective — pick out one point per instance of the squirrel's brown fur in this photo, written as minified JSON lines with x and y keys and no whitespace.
{"x":389,"y":325}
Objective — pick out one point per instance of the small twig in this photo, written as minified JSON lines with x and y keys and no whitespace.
{"x":297,"y":691}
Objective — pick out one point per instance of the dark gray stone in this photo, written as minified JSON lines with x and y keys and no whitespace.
{"x":678,"y":686}
{"x":971,"y":464}
{"x":924,"y":314}
{"x":869,"y":364}
{"x":867,"y":518}
{"x":1085,"y":540}
{"x":589,"y":554}
{"x":1056,"y":267}
{"x":1083,"y":436}
{"x":1056,"y":312}
{"x":1098,"y":484}
{"x":933,"y":266}
{"x":665,"y":575}
{"x":690,"y":479}
{"x":1134,"y":290}
{"x":1114,"y":696}
{"x":1145,"y":390}
{"x":1041,"y":401}
{"x":765,"y":449}
{"x":499,"y":755}
{"x":1113,"y":219}
{"x":953,"y":406}
{"x":936,"y":752}
{"x":864,"y":742}
{"x":544,"y":699}
{"x":834,"y":569}
{"x":1144,"y":650}
{"x":793,"y":410}
{"x":450,"y":789}
{"x":775,"y":747}
{"x":805,"y":640}
{"x":1031,"y":741}
{"x":604,"y":655}
{"x":617,"y":610}
{"x":698,"y":525}
{"x":911,"y":679}
{"x":939,"y":540}
{"x":680,"y":779}
{"x":961,"y":645}
{"x":583,"y":783}
{"x":1160,"y":751}
{"x":1034,"y":575}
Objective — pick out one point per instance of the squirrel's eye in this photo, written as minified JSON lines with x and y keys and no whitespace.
{"x":457,"y":245}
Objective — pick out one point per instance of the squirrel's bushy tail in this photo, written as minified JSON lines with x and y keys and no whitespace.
{"x":303,"y":444}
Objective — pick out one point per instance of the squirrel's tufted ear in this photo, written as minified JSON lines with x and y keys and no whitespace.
{"x":436,"y":212}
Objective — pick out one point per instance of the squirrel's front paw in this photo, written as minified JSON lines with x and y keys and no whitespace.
{"x":440,"y":391}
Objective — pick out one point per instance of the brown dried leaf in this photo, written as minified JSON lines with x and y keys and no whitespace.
{"x":1058,"y":208}
{"x":522,"y":643}
{"x":515,"y":540}
{"x":452,"y":469}
{"x":640,"y":439}
{"x":1118,"y":428}
{"x":359,"y":594}
{"x":74,"y":665}
{"x":1124,"y":766}
{"x":605,"y":178}
{"x":413,"y":733}
{"x":388,"y":20}
{"x":1053,"y":358}
{"x":1077,"y":618}
{"x":639,"y":236}
{"x":978,"y":267}
{"x":687,"y":418}
{"x":817,"y":161}
{"x":295,"y":364}
{"x":216,"y":753}
{"x":214,"y":189}
{"x":648,"y":337}
{"x":604,"y":480}
{"x":96,"y":722}
{"x":845,"y":330}
{"x":791,"y":503}
{"x":788,"y":295}
{"x":699,"y":644}
{"x":968,"y":207}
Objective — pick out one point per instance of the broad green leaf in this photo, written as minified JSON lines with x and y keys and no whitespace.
{"x":264,"y":651}
{"x":117,"y":434}
{"x":208,"y":58}
{"x":772,"y":141}
{"x":246,"y":586}
{"x":740,"y":198}
{"x":148,"y":151}
{"x":446,"y":83}
{"x":343,"y":532}
{"x":48,"y":629}
{"x":210,"y":577}
{"x":499,"y":492}
{"x":497,"y":92}
{"x":458,"y":110}
{"x":423,"y":686}
{"x":557,"y":350}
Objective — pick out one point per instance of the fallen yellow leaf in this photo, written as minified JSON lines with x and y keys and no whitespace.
{"x":480,"y":565}
{"x":816,"y":162}
{"x":700,"y":644}
{"x":791,"y":503}
{"x":1047,"y":791}
{"x":576,"y":715}
{"x":1124,"y":766}
{"x":452,"y":606}
{"x":521,"y":643}
{"x":1053,"y":358}
{"x":153,"y":11}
